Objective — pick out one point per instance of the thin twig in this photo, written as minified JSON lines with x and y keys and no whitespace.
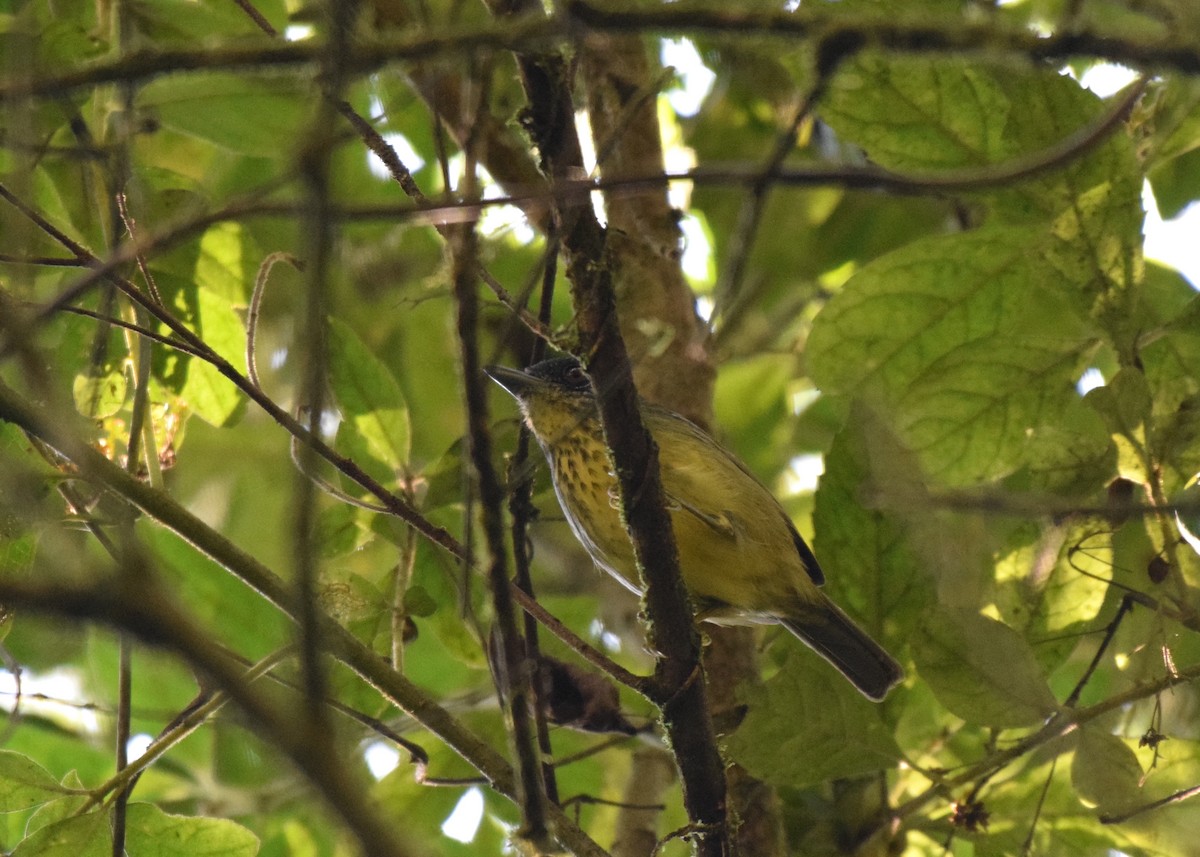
{"x":511,"y":660}
{"x":255,"y":309}
{"x":1176,"y":797}
{"x":741,"y":240}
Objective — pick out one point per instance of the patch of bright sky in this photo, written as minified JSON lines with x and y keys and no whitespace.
{"x":463,"y":822}
{"x":695,"y":79}
{"x":1089,"y":380}
{"x":298,"y":32}
{"x":1106,"y":79}
{"x":62,"y":699}
{"x":803,"y":473}
{"x":381,"y":759}
{"x":498,"y":219}
{"x":587,"y":148}
{"x":608,"y":640}
{"x":697,"y":260}
{"x":404,"y":149}
{"x":495,"y":219}
{"x":137,"y":745}
{"x":1171,"y":242}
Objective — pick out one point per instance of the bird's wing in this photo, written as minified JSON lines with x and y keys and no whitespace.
{"x":707,"y":482}
{"x":722,"y":522}
{"x":699,"y":478}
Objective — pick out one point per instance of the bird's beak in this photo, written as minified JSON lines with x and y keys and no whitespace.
{"x":515,"y":381}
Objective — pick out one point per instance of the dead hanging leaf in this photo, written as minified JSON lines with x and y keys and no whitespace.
{"x":575,"y":697}
{"x":570,"y":695}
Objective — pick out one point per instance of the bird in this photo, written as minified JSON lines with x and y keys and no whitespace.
{"x":740,"y":556}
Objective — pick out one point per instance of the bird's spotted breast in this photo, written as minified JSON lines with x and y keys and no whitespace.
{"x":587,"y":492}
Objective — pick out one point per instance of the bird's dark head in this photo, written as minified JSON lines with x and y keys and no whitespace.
{"x":555,"y":395}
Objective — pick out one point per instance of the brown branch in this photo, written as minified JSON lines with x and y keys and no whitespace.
{"x":338,"y":18}
{"x":577,"y":644}
{"x":1175,"y":50}
{"x":935,"y":34}
{"x":510,"y":660}
{"x":671,"y":633}
{"x":142,"y":64}
{"x":521,"y":509}
{"x":1175,"y":797}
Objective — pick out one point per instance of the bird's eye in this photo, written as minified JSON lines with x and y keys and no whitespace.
{"x":575,"y":375}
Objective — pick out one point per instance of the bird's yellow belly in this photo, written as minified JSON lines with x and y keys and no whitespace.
{"x":715,"y":567}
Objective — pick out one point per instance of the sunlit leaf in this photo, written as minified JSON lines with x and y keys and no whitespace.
{"x":808,"y":725}
{"x":963,"y":344}
{"x":247,"y":115}
{"x":981,"y":669}
{"x":80,"y":836}
{"x":24,"y":783}
{"x":208,"y":393}
{"x":1106,"y":772}
{"x":154,"y":833}
{"x":368,"y":396}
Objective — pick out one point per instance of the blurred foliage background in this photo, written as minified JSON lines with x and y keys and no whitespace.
{"x":911,"y":248}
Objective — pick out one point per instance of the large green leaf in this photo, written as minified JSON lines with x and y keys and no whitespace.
{"x":910,"y":113}
{"x":239,"y":113}
{"x":870,"y":532}
{"x":964,"y":345}
{"x":154,"y":833}
{"x":24,"y":783}
{"x":808,"y":725}
{"x":1106,"y":772}
{"x":919,"y":113}
{"x":207,"y":392}
{"x":369,"y":396}
{"x":81,"y":836}
{"x":981,"y":669}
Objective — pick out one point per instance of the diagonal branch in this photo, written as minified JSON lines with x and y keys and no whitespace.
{"x":339,"y":642}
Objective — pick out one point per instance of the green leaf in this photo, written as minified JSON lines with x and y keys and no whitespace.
{"x":220,"y":267}
{"x":1105,"y":771}
{"x":100,"y":396}
{"x":868,"y":535}
{"x":24,"y":783}
{"x":418,"y":602}
{"x":1048,"y":591}
{"x":1175,"y":113}
{"x":154,"y":833}
{"x":750,"y":402}
{"x":964,"y":346}
{"x":61,"y":809}
{"x":206,"y":391}
{"x":808,"y":725}
{"x":935,"y":113}
{"x":1124,"y":402}
{"x":911,"y":113}
{"x":981,"y":669}
{"x":368,"y":396}
{"x":240,"y":113}
{"x":338,"y":532}
{"x":81,"y":836}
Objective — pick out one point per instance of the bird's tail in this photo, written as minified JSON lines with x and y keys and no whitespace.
{"x":834,"y":636}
